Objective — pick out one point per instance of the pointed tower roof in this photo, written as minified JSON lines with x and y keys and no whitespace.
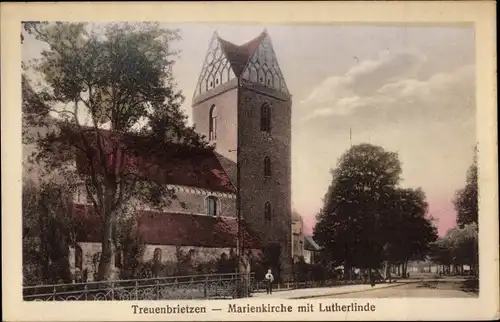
{"x":238,"y":56}
{"x":254,"y":61}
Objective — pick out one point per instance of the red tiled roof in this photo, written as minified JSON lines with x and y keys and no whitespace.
{"x":171,"y":229}
{"x":238,"y":56}
{"x":229,"y":167}
{"x":170,"y":163}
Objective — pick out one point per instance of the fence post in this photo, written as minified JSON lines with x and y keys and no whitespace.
{"x":205,"y":287}
{"x":136,"y":290}
{"x":54,"y":296}
{"x":157,"y":289}
{"x":85,"y":290}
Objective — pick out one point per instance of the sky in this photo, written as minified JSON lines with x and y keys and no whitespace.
{"x":409,"y":89}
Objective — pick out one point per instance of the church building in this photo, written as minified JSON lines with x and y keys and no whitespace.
{"x":243,"y":107}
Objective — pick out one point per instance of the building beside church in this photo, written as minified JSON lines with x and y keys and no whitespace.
{"x":311,"y":250}
{"x":242,"y":105}
{"x":297,"y":236}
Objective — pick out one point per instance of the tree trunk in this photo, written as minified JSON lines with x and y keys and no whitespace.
{"x":105,"y":268}
{"x":405,"y":268}
{"x":347,"y":272}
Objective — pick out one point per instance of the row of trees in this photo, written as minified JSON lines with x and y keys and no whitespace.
{"x":367,"y":220}
{"x":90,"y":77}
{"x":457,"y":248}
{"x":460,"y":245}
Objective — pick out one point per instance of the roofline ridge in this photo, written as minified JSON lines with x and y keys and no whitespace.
{"x":261,"y":36}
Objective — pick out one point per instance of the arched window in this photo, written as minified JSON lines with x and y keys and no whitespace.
{"x":267,"y":167}
{"x":267,"y":211}
{"x":265,"y":118}
{"x":212,"y":127}
{"x":211,"y":203}
{"x":157,"y":255}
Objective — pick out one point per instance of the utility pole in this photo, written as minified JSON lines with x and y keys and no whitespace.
{"x":350,"y":137}
{"x":238,"y":212}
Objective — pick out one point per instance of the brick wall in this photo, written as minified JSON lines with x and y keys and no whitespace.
{"x":297,"y":239}
{"x":195,"y":204}
{"x":169,"y":256}
{"x":191,"y":201}
{"x":224,"y":97}
{"x":256,"y":189}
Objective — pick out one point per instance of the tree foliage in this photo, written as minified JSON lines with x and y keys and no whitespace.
{"x":466,"y":199}
{"x":409,"y":232}
{"x":47,"y":233}
{"x":458,"y":247}
{"x":116,"y":77}
{"x":366,"y":218}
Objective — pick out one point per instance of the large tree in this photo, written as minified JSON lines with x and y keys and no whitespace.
{"x":354,"y":208}
{"x":367,"y":219}
{"x":113,"y":76}
{"x":466,"y":199}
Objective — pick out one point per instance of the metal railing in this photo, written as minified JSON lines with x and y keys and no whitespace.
{"x":164,"y":288}
{"x":260,"y":285}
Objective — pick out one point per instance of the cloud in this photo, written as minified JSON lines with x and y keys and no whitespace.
{"x":366,"y":77}
{"x":390,"y":83}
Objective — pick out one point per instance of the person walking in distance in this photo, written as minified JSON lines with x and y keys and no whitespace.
{"x":269,"y":281}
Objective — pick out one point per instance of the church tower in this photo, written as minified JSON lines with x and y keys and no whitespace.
{"x":242,"y":105}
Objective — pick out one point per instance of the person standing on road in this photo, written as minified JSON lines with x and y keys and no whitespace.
{"x":269,"y":281}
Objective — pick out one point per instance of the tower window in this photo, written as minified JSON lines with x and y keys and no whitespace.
{"x":212,"y":127}
{"x":211,"y":206}
{"x":267,"y":167}
{"x":267,"y":211}
{"x":265,"y":118}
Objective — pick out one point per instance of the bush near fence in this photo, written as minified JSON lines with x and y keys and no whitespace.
{"x":181,"y":287}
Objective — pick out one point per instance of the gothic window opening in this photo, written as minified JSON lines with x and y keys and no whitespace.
{"x":267,"y":167}
{"x":211,"y":206}
{"x":253,"y":74}
{"x":265,"y":118}
{"x":262,"y":76}
{"x":212,"y":131}
{"x":216,"y":68}
{"x":267,"y":211}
